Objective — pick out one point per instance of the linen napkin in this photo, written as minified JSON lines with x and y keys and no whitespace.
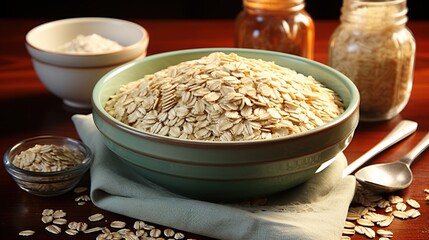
{"x":314,"y":210}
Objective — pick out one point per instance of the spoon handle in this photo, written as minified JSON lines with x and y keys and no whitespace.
{"x":401,"y":131}
{"x":419,"y":148}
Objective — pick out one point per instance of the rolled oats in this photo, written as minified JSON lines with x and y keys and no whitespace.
{"x":155,"y":232}
{"x":139,"y":225}
{"x":179,"y":235}
{"x":47,"y":219}
{"x":225,"y":97}
{"x":59,"y":214}
{"x":168,"y":232}
{"x":401,"y":206}
{"x":365,"y":222}
{"x":94,"y":229}
{"x":47,"y":212}
{"x":96,"y":217}
{"x":367,"y":206}
{"x":71,"y":232}
{"x":60,"y":221}
{"x":400,"y":214}
{"x":349,"y":231}
{"x":48,"y":158}
{"x":384,"y":233}
{"x":393,"y":199}
{"x":53,"y":229}
{"x":117,"y":224}
{"x":26,"y":233}
{"x":349,"y":224}
{"x":413,"y":203}
{"x":413,"y":213}
{"x":365,"y":231}
{"x":386,"y":222}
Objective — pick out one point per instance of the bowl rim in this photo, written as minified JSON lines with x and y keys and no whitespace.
{"x":143,"y":40}
{"x":17,"y":172}
{"x":352,"y":107}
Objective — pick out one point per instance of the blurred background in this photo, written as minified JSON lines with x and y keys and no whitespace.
{"x":167,"y":9}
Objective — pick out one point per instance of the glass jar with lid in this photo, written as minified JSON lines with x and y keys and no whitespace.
{"x":375,"y":49}
{"x":278,"y":25}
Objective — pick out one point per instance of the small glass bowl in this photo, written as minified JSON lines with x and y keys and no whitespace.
{"x":48,"y":183}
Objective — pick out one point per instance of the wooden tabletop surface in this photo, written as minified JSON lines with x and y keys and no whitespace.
{"x":28,"y":109}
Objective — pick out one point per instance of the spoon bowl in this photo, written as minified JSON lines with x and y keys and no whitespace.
{"x":394,"y":176}
{"x":378,"y":177}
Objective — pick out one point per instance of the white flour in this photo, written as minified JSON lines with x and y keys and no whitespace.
{"x":89,"y":44}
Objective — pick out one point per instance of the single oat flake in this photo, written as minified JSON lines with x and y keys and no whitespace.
{"x":26,"y":233}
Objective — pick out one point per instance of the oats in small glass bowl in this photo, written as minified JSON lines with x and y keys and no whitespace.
{"x":48,"y":165}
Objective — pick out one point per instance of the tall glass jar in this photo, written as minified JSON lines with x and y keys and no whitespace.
{"x":375,"y":49}
{"x":278,"y":25}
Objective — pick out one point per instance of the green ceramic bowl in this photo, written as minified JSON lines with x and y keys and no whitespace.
{"x":226,"y":171}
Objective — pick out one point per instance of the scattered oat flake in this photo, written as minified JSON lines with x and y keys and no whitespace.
{"x":94,"y":229}
{"x":60,"y":221}
{"x":400,"y":214}
{"x":53,"y":229}
{"x":413,"y":213}
{"x":366,"y":207}
{"x":401,"y":206}
{"x":71,"y":232}
{"x":96,"y":217}
{"x":395,"y":199}
{"x":413,"y":203}
{"x":365,"y":222}
{"x":365,"y":231}
{"x":349,"y":224}
{"x":59,"y":214}
{"x":47,"y":212}
{"x":179,"y":236}
{"x":388,"y":209}
{"x":386,"y":222}
{"x":384,"y":233}
{"x":117,"y":224}
{"x":26,"y":233}
{"x":47,"y":218}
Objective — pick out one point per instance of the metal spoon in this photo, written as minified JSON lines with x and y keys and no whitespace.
{"x":394,"y":176}
{"x":401,"y":131}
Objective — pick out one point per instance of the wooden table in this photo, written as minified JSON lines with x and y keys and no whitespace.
{"x":28,"y":109}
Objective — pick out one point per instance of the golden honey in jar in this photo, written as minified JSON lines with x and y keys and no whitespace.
{"x":277,"y":25}
{"x":375,"y":49}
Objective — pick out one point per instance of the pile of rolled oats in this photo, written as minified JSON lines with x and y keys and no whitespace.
{"x":371,"y":214}
{"x":48,"y":158}
{"x":55,"y":222}
{"x":225,"y":97}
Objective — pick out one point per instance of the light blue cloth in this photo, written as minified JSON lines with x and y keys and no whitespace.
{"x":315,"y":210}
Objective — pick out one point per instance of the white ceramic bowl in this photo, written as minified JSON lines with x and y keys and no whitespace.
{"x":73,"y":76}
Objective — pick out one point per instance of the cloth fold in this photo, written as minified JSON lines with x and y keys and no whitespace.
{"x":314,"y":210}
